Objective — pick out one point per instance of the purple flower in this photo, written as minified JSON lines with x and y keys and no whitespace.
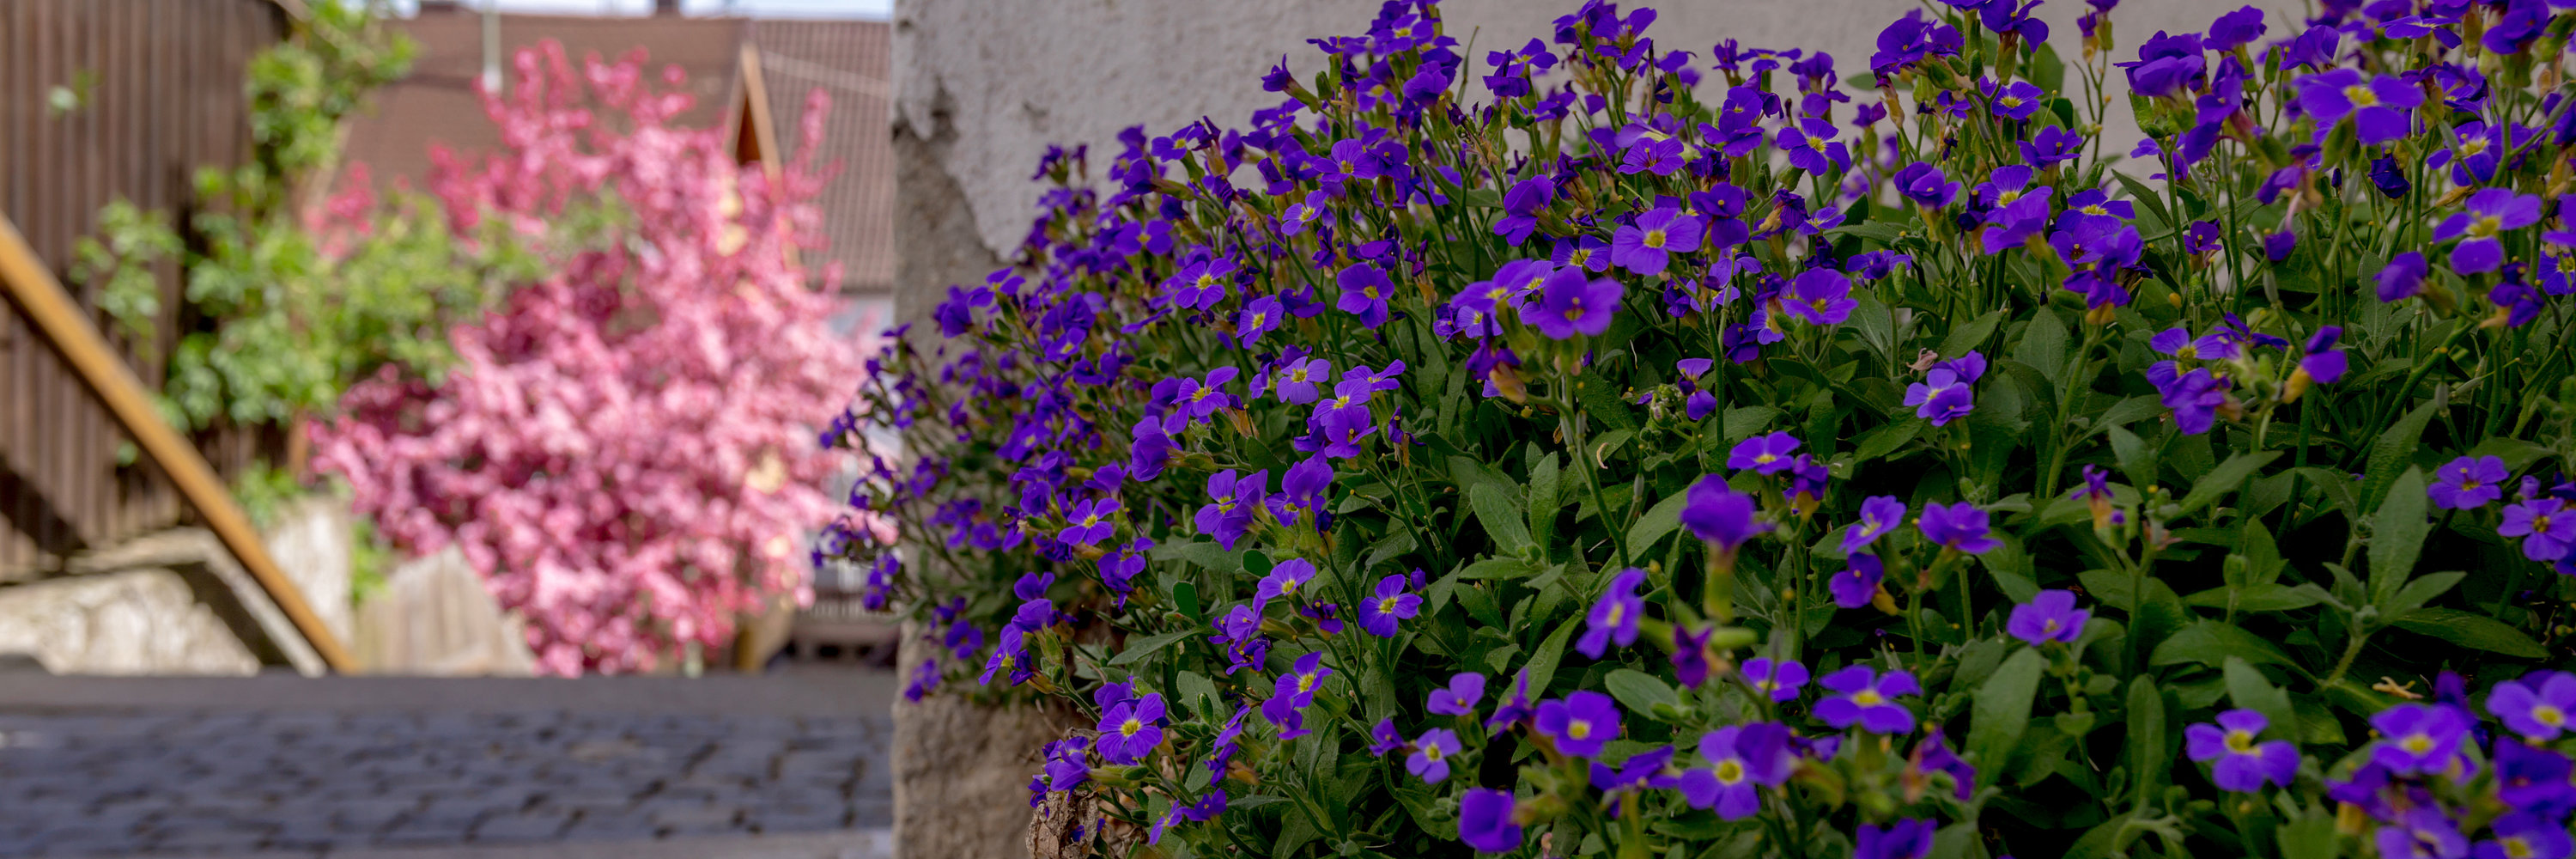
{"x":2525,"y":835}
{"x":1959,"y":526}
{"x":1521,"y":207}
{"x":1227,"y":740}
{"x":1485,"y":821}
{"x":1926,"y":185}
{"x":1934,"y":755}
{"x":1878,"y":515}
{"x":2490,"y":213}
{"x":1779,"y":680}
{"x":2422,"y":832}
{"x":2416,"y":738}
{"x":1570,"y":303}
{"x":1690,"y":660}
{"x":2322,"y":363}
{"x":1645,"y":248}
{"x":2243,"y":765}
{"x":1258,"y":318}
{"x":2538,"y":706}
{"x":1615,"y":616}
{"x":1364,"y":293}
{"x":2166,"y":64}
{"x":1380,"y":613}
{"x":2469,"y":482}
{"x":2402,"y":277}
{"x":1200,"y":399}
{"x":1868,"y":699}
{"x":1285,"y":579}
{"x":2277,"y":246}
{"x":1742,"y":758}
{"x":1946,"y":393}
{"x":1230,"y":515}
{"x":1811,"y":146}
{"x":1383,"y":738}
{"x":1010,"y":655}
{"x":2017,"y":101}
{"x":1715,"y":512}
{"x":2379,"y":106}
{"x":1516,"y":708}
{"x":1089,"y":522}
{"x":1766,"y":454}
{"x":2195,"y":397}
{"x":2053,"y":144}
{"x":1856,"y":586}
{"x":1906,"y":839}
{"x":1461,"y":696}
{"x":2050,"y":615}
{"x":1132,"y":729}
{"x":2546,"y":526}
{"x":925,"y":677}
{"x":1820,"y":297}
{"x":1431,"y":755}
{"x":1295,"y":691}
{"x":1580,"y":722}
{"x":2235,"y":28}
{"x":1910,"y":40}
{"x":2533,"y":779}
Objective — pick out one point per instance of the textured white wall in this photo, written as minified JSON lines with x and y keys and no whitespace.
{"x":1017,"y":75}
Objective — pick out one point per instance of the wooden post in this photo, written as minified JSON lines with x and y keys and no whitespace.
{"x":63,"y":323}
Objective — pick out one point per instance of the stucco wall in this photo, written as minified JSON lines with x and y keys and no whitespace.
{"x":984,"y":85}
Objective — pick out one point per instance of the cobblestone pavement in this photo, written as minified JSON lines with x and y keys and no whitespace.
{"x":250,"y":782}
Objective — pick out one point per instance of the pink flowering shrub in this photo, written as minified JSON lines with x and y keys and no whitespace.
{"x":625,"y":449}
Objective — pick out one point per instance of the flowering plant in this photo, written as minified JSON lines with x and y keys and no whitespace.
{"x":625,"y":449}
{"x":1687,"y":455}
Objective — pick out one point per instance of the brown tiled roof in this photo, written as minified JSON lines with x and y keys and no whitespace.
{"x":850,"y":61}
{"x":436,"y":103}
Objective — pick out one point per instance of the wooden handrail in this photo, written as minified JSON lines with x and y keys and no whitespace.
{"x":62,"y":322}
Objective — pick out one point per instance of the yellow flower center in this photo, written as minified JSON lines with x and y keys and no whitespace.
{"x":2361,"y":95}
{"x":2049,"y":627}
{"x":1259,"y":318}
{"x":1654,"y":238}
{"x":1305,"y":683}
{"x":2473,"y":147}
{"x":2540,"y":523}
{"x":2549,"y":715}
{"x":1288,"y":587}
{"x":1371,"y":292}
{"x":2417,"y":743}
{"x":2517,"y":847}
{"x":2240,"y":742}
{"x":1431,"y":752}
{"x":2007,"y":196}
{"x":1130,"y":727}
{"x":1348,"y":167}
{"x":2096,"y":209}
{"x":1578,"y":729}
{"x":1386,"y":606}
{"x":1730,"y":771}
{"x":1090,"y":520}
{"x":1207,"y":280}
{"x":1868,"y":698}
{"x":1765,"y":458}
{"x":2187,"y":352}
{"x":2009,"y":101}
{"x":1576,"y":258}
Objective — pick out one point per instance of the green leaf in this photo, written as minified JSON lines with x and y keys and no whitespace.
{"x":1501,"y":517}
{"x":1497,"y":568}
{"x":2422,"y":590}
{"x":2146,"y":739}
{"x":2270,"y":596}
{"x":1137,"y":650}
{"x":2001,"y":712}
{"x":1742,"y":422}
{"x":1542,"y":663}
{"x":2225,"y":478}
{"x":2516,"y":453}
{"x":2137,"y":458}
{"x":1885,"y":439}
{"x":2210,"y":643}
{"x":2397,"y":536}
{"x":2394,"y":449}
{"x":1966,"y":337}
{"x":2311,"y":836}
{"x":1187,"y":596}
{"x":1544,"y":502}
{"x":1639,"y":691}
{"x":2043,"y":347}
{"x":2472,"y":630}
{"x":2249,"y":689}
{"x":1659,"y":520}
{"x":1602,"y":401}
{"x":2128,"y":411}
{"x":1876,"y":323}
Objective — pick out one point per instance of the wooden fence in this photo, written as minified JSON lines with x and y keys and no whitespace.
{"x":101,"y":100}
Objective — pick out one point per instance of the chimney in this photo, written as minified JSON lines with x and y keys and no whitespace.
{"x":666,"y":8}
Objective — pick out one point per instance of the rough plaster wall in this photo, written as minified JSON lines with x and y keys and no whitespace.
{"x":995,"y":81}
{"x":962,"y":771}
